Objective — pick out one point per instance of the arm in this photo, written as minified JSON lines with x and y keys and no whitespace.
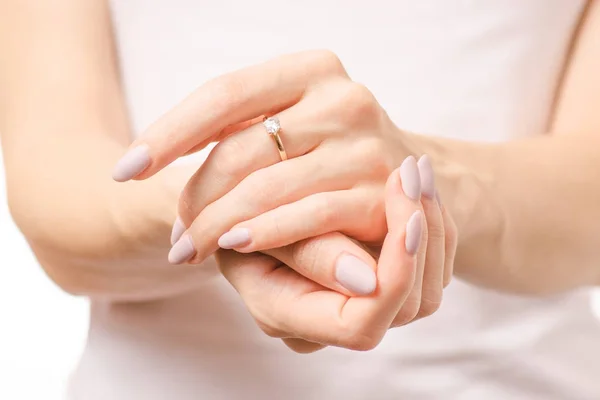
{"x":528,"y":210}
{"x":63,"y":124}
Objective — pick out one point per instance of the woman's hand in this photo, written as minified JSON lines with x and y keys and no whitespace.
{"x":340,"y":142}
{"x":342,"y":148}
{"x":308,"y":316}
{"x":341,"y":145}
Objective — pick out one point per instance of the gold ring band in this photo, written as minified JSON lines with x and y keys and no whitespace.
{"x":273,"y":128}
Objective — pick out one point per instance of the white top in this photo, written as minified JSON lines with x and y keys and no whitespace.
{"x":477,"y":70}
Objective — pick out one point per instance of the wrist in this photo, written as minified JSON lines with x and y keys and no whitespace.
{"x":467,"y":193}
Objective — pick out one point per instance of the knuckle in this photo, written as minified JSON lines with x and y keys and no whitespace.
{"x":327,"y":61}
{"x":269,"y":330}
{"x":228,"y":158}
{"x":261,"y":188}
{"x":375,"y":211}
{"x":326,"y":213}
{"x":186,"y":210}
{"x":408,"y":313}
{"x":436,"y":231}
{"x":372,"y":151}
{"x":429,"y":306}
{"x":274,"y":224}
{"x":372,"y":221}
{"x":362,"y":335}
{"x":362,"y":341}
{"x":359,"y":104}
{"x":307,"y":255}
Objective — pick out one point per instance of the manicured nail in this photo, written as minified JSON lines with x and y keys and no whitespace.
{"x":355,"y":275}
{"x":182,"y":251}
{"x":411,"y":181}
{"x":178,"y":229}
{"x":237,"y":237}
{"x":414,"y":230}
{"x":132,"y":163}
{"x":427,"y":177}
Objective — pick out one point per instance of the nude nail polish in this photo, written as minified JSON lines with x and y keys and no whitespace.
{"x":410,"y":178}
{"x":182,"y":251}
{"x":132,"y":163}
{"x":178,"y":229}
{"x":427,"y":177}
{"x":237,"y":237}
{"x":414,"y":230}
{"x":355,"y":275}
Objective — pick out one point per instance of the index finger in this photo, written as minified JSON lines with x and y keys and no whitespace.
{"x":262,"y":89}
{"x":296,"y":305}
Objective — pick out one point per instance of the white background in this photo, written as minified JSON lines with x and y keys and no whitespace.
{"x":42,"y":331}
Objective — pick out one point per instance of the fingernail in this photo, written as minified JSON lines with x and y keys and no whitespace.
{"x":132,"y":163}
{"x":427,"y":177}
{"x":182,"y":251}
{"x":414,"y":230}
{"x":235,"y":238}
{"x":356,"y":276}
{"x":178,"y":229}
{"x":411,"y":181}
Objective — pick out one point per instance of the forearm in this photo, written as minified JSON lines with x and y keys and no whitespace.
{"x":526,"y":210}
{"x":58,"y":70}
{"x":63,"y":124}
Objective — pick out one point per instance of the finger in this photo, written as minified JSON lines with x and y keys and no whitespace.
{"x":245,"y":152}
{"x":397,"y":266}
{"x":289,"y":302}
{"x":265,"y":190}
{"x":229,"y":130}
{"x":433,"y":273}
{"x":362,"y":321}
{"x":272,"y":291}
{"x":331,"y":260}
{"x":356,"y":213}
{"x":322,"y":115}
{"x":411,"y":186}
{"x":451,"y":243}
{"x":229,"y":99}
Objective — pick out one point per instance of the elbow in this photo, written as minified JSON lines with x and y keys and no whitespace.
{"x":64,"y":273}
{"x":122,"y":279}
{"x":83,"y":258}
{"x":106,"y":266}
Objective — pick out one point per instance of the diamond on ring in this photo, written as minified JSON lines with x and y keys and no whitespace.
{"x":272,"y":125}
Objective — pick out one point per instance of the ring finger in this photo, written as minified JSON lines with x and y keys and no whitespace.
{"x":262,"y":191}
{"x":247,"y":151}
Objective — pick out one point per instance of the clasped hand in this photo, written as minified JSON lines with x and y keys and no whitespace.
{"x":333,"y":246}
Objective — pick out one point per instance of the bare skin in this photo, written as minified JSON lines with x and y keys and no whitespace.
{"x":102,"y":239}
{"x":524,"y":208}
{"x":64,"y":123}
